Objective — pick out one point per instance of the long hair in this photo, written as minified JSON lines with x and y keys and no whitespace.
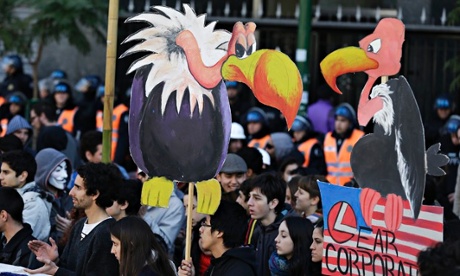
{"x":139,"y":248}
{"x":300,"y":231}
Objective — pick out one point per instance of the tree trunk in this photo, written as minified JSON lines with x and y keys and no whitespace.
{"x":34,"y":65}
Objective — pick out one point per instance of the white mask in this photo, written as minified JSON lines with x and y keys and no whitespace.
{"x":59,"y":176}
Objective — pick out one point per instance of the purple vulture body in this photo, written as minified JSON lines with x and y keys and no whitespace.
{"x":179,"y":146}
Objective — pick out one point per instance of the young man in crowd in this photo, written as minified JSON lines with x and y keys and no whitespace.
{"x":88,"y":250}
{"x":127,"y":201}
{"x":223,"y":235}
{"x":14,"y":233}
{"x":231,"y":176}
{"x":18,"y":171}
{"x":266,"y":205}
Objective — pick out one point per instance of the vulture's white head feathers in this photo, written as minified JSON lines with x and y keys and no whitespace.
{"x":168,"y":59}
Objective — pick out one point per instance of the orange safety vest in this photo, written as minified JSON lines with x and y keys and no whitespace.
{"x":65,"y":120}
{"x":305,"y":149}
{"x":259,"y":143}
{"x":116,"y":118}
{"x":338,"y":165}
{"x":4,"y":124}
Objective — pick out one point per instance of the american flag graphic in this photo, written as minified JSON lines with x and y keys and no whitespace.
{"x":351,"y":248}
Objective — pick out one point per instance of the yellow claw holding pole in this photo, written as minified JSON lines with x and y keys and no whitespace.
{"x":208,"y":196}
{"x":157,"y":191}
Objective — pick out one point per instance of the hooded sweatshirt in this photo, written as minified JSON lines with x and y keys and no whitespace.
{"x":235,"y":261}
{"x":47,"y":161}
{"x":284,"y":147}
{"x":17,"y":122}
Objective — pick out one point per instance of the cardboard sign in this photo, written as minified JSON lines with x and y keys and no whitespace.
{"x":180,"y":119}
{"x":353,"y":247}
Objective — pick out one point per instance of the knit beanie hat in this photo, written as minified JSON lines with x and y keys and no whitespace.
{"x":17,"y":122}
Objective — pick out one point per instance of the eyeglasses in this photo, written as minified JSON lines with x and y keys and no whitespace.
{"x":203,"y":223}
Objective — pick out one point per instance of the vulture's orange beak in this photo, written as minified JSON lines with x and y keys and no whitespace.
{"x":345,"y":60}
{"x":273,"y":78}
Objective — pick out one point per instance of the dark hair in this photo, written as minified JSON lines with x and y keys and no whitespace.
{"x":137,"y":242}
{"x":253,"y":159}
{"x":231,"y":219}
{"x":289,"y":161}
{"x":11,"y":201}
{"x":442,"y":259}
{"x":273,"y":187}
{"x":10,"y":142}
{"x":246,"y":188}
{"x":300,"y":231}
{"x":89,"y":142}
{"x":293,"y":185}
{"x":45,"y":108}
{"x":21,"y":161}
{"x":320,"y":225}
{"x":130,"y":191}
{"x":309,"y":183}
{"x":102,"y":178}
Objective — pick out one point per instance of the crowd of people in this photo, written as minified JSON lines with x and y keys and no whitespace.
{"x":63,"y":212}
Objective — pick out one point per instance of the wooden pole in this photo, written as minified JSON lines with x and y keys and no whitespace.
{"x":111,"y":53}
{"x":188,"y":233}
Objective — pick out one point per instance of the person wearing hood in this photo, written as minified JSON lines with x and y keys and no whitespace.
{"x":281,"y":147}
{"x":223,"y":235}
{"x":19,"y":127}
{"x":53,"y":174}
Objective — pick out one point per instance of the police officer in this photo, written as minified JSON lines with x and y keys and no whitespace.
{"x":305,"y":139}
{"x":15,"y":79}
{"x":339,"y":143}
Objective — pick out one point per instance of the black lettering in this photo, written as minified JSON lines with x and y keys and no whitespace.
{"x":339,"y":253}
{"x":354,"y":262}
{"x":389,"y":261}
{"x":374,"y":265}
{"x":413,"y":269}
{"x":328,"y":246}
{"x":401,"y":271}
{"x":361,"y":237}
{"x":363,"y":262}
{"x":378,"y":240}
{"x":390,"y":235}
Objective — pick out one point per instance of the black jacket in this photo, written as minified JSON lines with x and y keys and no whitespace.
{"x":91,"y":255}
{"x":236,"y":261}
{"x":264,"y":240}
{"x":16,"y":252}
